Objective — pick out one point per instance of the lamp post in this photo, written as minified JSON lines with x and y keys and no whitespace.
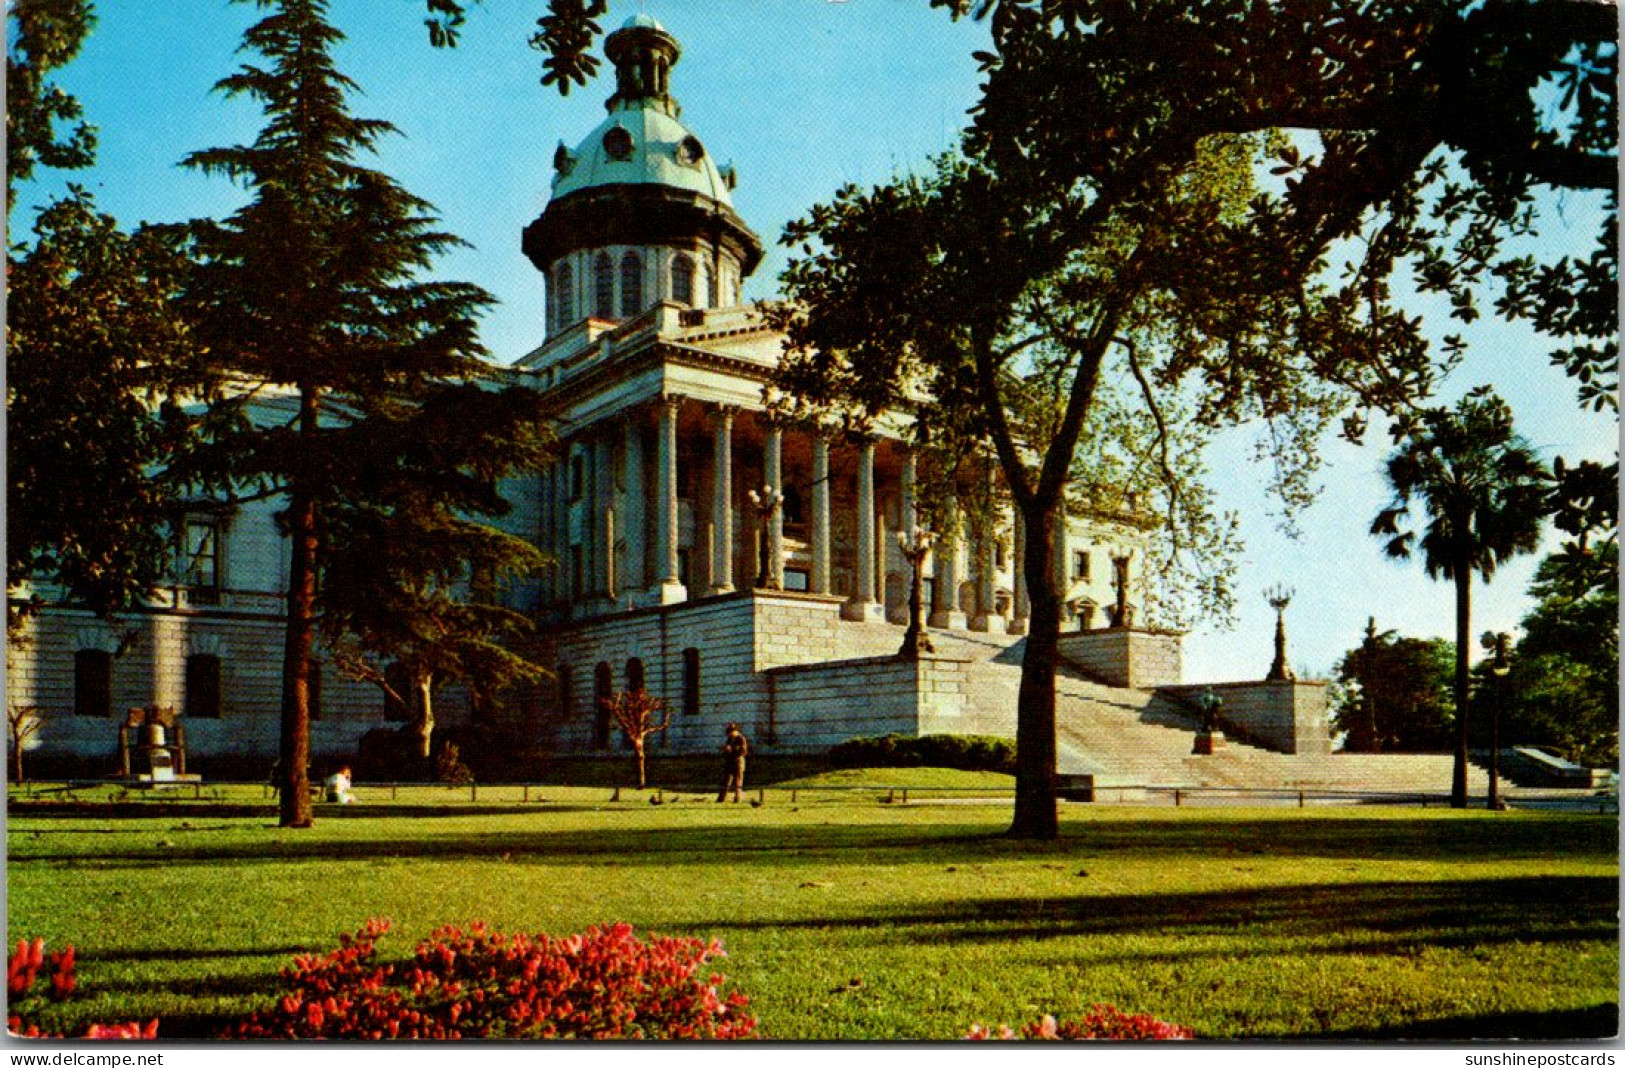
{"x":766,"y":502}
{"x":1279,"y":597}
{"x":1500,"y":665}
{"x":914,"y":545}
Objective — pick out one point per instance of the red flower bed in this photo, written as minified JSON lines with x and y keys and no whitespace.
{"x":23,"y":969}
{"x":483,"y":984}
{"x":1103,"y":1022}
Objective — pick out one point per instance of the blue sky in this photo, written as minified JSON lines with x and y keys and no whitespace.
{"x":802,"y":96}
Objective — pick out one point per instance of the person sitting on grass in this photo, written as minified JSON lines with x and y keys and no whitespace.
{"x":338,"y":787}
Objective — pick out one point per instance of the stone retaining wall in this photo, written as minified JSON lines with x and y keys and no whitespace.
{"x":1287,"y":716}
{"x":1124,"y":656}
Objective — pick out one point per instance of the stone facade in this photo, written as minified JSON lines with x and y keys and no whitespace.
{"x":655,"y":377}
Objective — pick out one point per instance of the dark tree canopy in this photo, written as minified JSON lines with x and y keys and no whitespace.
{"x":352,"y":368}
{"x":1394,"y":694}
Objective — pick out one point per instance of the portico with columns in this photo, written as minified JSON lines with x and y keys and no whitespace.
{"x":676,"y":493}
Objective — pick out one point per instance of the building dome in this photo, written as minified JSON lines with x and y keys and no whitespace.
{"x":641,"y":184}
{"x":641,"y":146}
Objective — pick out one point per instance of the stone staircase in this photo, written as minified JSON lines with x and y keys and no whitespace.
{"x":1127,"y":738}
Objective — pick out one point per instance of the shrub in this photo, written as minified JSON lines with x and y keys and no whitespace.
{"x":482,"y":984}
{"x":23,"y":969}
{"x":1103,"y":1022}
{"x":967,"y":752}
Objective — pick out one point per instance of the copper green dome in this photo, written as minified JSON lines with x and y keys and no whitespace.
{"x":642,"y":141}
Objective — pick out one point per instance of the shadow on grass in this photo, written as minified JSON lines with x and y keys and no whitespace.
{"x":1352,"y":918}
{"x":1591,"y":1022}
{"x":881,"y":840}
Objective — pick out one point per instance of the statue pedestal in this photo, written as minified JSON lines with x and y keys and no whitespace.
{"x":1208,"y":743}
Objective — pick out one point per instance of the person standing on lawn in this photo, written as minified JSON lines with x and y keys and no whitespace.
{"x":734,"y":748}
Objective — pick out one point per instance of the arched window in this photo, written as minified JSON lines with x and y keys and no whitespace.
{"x":682,"y":279}
{"x":631,"y":285}
{"x":634,"y":675}
{"x":603,"y":287}
{"x":93,"y":683}
{"x":203,"y":686}
{"x":691,"y":682}
{"x":564,"y":284}
{"x":603,"y":685}
{"x":711,"y":289}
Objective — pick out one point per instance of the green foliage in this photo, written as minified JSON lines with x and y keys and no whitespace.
{"x":97,"y":365}
{"x":1563,"y":690}
{"x":43,"y":36}
{"x":1484,"y":496}
{"x":1479,"y":484}
{"x":967,"y":752}
{"x":1394,"y":694}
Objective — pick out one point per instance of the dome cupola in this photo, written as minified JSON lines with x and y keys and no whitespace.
{"x":640,"y":187}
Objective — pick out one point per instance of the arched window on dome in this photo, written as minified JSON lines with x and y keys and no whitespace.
{"x":564,"y":283}
{"x":682,"y":280}
{"x":631,"y":285}
{"x":603,"y":287}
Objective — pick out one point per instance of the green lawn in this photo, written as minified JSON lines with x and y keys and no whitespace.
{"x":847,"y":919}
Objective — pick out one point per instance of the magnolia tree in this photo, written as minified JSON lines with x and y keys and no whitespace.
{"x":639,"y":715}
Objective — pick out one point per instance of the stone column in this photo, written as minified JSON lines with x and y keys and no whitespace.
{"x":773,"y":474}
{"x":603,"y":461}
{"x":633,"y":514}
{"x":911,"y":509}
{"x":862,"y":604}
{"x":1021,"y":609}
{"x":987,"y":618}
{"x":587,"y":526}
{"x":544,"y":527}
{"x":820,"y":515}
{"x":668,"y":586}
{"x":945,"y":610}
{"x":1059,"y":564}
{"x":722,"y":528}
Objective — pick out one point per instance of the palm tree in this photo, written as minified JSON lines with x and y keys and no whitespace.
{"x":1484,"y":496}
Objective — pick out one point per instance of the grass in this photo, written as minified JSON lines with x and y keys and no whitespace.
{"x":847,"y":919}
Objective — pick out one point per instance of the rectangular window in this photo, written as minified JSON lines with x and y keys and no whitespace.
{"x":691,"y":682}
{"x":200,"y":563}
{"x":1080,"y":566}
{"x":578,"y":478}
{"x":797,"y":579}
{"x":998,"y":554}
{"x":203,"y":686}
{"x":93,"y":683}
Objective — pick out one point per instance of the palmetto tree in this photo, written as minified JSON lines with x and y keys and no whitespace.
{"x":1483,"y":494}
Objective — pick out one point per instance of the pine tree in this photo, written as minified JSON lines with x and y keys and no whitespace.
{"x":311,"y":293}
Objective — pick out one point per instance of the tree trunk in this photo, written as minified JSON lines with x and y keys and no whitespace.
{"x":16,"y":760}
{"x":1035,"y":814}
{"x":294,"y":787}
{"x":1464,"y":630}
{"x":637,"y":747}
{"x":423,"y":724}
